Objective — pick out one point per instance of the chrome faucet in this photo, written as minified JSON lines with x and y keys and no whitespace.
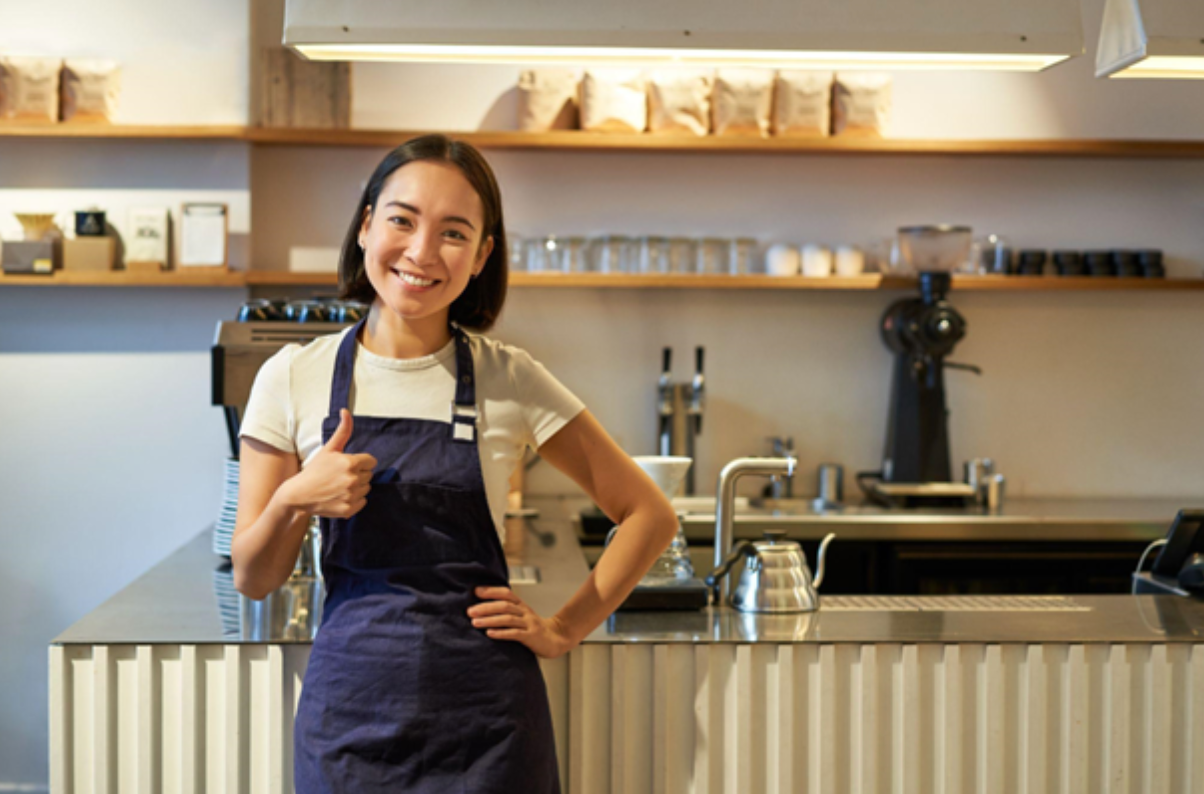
{"x":725,"y":503}
{"x":679,"y":412}
{"x":781,"y":487}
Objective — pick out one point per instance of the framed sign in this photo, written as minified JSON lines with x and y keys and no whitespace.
{"x":203,"y":235}
{"x":146,"y":246}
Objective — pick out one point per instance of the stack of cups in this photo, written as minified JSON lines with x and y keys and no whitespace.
{"x":814,"y":261}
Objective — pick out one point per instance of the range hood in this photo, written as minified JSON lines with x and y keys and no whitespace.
{"x":1151,"y":38}
{"x":1024,"y":35}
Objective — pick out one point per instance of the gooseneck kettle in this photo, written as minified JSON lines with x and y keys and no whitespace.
{"x":776,"y":577}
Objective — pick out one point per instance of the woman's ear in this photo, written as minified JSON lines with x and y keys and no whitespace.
{"x":364,"y":222}
{"x":483,"y":255}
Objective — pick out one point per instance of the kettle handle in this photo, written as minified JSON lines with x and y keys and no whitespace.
{"x":739,"y":550}
{"x":819,"y":559}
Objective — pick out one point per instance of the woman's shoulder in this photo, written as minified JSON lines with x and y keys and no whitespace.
{"x":318,"y":351}
{"x":498,"y":356}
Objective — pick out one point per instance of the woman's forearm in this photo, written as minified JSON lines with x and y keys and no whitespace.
{"x":265,"y":553}
{"x":640,"y":539}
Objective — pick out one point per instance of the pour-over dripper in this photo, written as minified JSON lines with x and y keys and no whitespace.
{"x":35,"y":225}
{"x":668,"y":472}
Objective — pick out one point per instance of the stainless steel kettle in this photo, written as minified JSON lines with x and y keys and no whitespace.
{"x":776,"y":577}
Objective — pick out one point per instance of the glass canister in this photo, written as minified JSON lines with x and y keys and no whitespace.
{"x":681,"y":255}
{"x":569,"y":255}
{"x":711,"y":256}
{"x":653,"y":256}
{"x":742,"y":253}
{"x":612,"y":253}
{"x":517,"y":252}
{"x":536,"y":252}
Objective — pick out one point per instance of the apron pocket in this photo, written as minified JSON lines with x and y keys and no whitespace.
{"x":405,"y":525}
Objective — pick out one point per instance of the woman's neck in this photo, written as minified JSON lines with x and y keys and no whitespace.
{"x":388,"y":334}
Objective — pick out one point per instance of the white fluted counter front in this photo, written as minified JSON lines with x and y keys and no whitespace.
{"x":177,"y":685}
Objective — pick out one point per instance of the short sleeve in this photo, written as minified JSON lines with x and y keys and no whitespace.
{"x":546,"y":404}
{"x":269,"y":414}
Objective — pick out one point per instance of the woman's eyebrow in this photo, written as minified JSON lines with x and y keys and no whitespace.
{"x":416,"y":211}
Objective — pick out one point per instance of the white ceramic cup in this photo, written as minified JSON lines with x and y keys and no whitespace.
{"x":849,"y":261}
{"x":782,"y":260}
{"x":817,"y":261}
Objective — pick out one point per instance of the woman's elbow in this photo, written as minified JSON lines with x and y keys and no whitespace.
{"x":664,"y":520}
{"x":246,"y":584}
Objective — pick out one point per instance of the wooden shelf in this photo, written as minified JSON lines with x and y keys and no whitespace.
{"x":575,"y":140}
{"x":1074,"y":284}
{"x":283,"y":278}
{"x":862,"y":283}
{"x":123,"y":131}
{"x":591,"y":141}
{"x":868,"y":282}
{"x":121,"y":278}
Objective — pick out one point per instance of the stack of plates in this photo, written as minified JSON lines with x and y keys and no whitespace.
{"x":229,"y":605}
{"x":223,"y":530}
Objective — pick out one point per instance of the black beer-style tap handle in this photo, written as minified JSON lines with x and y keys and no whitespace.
{"x":698,"y":388}
{"x":667,"y":361}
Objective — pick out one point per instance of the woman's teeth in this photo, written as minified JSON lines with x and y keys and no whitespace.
{"x":415,"y":280}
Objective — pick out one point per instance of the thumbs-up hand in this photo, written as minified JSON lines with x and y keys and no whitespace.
{"x":342,"y":433}
{"x":333,"y":484}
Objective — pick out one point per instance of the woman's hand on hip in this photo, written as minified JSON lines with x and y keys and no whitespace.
{"x":505,"y":616}
{"x":333,"y":484}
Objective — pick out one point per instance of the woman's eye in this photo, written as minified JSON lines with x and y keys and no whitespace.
{"x":398,"y":220}
{"x":455,"y":235}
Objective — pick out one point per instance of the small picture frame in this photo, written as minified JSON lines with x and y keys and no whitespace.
{"x":203,"y":235}
{"x":147,"y":246}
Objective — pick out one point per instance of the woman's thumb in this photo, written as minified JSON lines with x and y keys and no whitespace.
{"x":342,"y":433}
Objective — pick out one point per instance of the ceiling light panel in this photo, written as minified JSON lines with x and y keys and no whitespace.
{"x":901,"y":34}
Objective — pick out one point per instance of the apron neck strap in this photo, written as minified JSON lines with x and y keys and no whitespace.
{"x":464,"y":406}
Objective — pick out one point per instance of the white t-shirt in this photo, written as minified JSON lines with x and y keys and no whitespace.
{"x":521,"y":404}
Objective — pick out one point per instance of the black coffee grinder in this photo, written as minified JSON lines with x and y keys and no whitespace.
{"x":922,"y":332}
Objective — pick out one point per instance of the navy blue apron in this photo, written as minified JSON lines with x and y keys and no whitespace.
{"x":402,"y":692}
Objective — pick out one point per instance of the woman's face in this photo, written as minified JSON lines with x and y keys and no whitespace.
{"x":424,"y":239}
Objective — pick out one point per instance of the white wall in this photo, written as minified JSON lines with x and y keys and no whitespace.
{"x":110,"y":454}
{"x":182,"y":62}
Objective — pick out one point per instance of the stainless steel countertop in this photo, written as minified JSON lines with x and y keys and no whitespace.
{"x":1026,"y":519}
{"x":188,"y":599}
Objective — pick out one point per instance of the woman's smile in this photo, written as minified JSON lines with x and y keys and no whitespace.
{"x":414,"y":282}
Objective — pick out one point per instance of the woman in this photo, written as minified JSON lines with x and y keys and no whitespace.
{"x":423,"y":676}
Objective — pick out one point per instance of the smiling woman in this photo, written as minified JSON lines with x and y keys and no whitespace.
{"x":424,"y":674}
{"x":429,"y":228}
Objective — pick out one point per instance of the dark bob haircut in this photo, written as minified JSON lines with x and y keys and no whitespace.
{"x":476,"y":308}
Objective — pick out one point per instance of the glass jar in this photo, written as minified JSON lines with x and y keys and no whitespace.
{"x":653,"y":255}
{"x":537,"y":254}
{"x":741,"y":256}
{"x":681,"y":255}
{"x":517,"y":253}
{"x":711,"y":256}
{"x":612,"y":253}
{"x":568,"y":255}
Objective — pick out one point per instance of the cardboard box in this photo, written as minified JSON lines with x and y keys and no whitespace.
{"x":29,"y":257}
{"x":89,"y":253}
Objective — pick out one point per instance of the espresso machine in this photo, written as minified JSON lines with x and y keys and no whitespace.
{"x":921,"y":333}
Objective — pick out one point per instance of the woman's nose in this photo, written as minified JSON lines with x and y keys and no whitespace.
{"x":423,"y":248}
